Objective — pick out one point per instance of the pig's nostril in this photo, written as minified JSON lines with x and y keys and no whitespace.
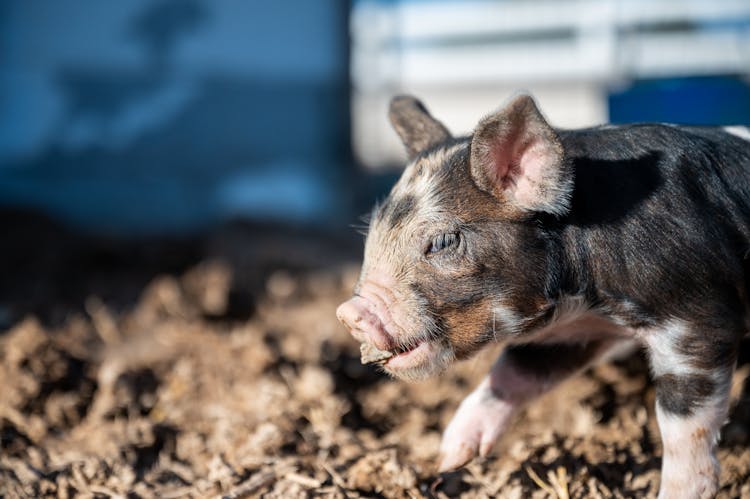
{"x":348,"y":315}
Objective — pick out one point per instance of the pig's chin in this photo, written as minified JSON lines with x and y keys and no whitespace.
{"x":426,"y":359}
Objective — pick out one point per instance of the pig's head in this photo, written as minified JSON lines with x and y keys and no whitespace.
{"x":454,"y":257}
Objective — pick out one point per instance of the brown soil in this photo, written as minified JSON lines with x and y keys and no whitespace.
{"x":217,"y":368}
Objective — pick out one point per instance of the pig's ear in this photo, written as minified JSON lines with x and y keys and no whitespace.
{"x":417,"y":128}
{"x":517,"y":157}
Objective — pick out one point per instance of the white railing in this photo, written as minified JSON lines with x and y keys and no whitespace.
{"x":567,"y":52}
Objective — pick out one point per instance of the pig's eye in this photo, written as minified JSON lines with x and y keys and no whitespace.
{"x":443,"y":241}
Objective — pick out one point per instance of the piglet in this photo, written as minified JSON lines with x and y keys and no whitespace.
{"x":568,"y":245}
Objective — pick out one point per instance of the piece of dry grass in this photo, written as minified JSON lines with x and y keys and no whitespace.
{"x":558,"y":482}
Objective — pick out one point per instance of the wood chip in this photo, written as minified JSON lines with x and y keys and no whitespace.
{"x":252,"y":485}
{"x":303,"y":480}
{"x":371,"y":355}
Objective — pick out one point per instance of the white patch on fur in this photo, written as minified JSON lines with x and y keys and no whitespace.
{"x":411,"y":184}
{"x":444,"y":154}
{"x":570,"y":309}
{"x":427,"y":211}
{"x":505,"y":321}
{"x":742,"y":132}
{"x":662,"y":349}
{"x":420,"y":186}
{"x":427,"y":183}
{"x":690,"y":468}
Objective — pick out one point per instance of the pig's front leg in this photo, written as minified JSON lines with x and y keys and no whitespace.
{"x":521,"y":373}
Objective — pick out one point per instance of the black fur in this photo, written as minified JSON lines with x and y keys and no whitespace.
{"x":658,"y":230}
{"x":682,"y":394}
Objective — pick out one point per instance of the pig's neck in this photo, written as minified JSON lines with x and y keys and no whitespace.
{"x":579,"y":305}
{"x":587,"y":268}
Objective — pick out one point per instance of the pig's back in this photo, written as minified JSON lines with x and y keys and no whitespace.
{"x":657,"y":170}
{"x":658,"y":211}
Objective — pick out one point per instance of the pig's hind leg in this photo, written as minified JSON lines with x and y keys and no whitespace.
{"x":521,"y":373}
{"x":693,"y":372}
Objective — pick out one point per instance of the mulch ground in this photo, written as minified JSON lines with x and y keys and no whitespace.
{"x":215,"y":367}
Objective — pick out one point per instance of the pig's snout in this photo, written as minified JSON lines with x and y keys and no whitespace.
{"x":350,"y":314}
{"x":365,"y":325}
{"x":375,"y":317}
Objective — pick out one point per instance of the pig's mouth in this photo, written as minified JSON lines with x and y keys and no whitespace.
{"x":416,"y":353}
{"x":371,"y":354}
{"x":385,"y":342}
{"x":407,"y":349}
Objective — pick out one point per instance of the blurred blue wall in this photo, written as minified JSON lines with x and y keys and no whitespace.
{"x":171,"y":115}
{"x":706,"y":100}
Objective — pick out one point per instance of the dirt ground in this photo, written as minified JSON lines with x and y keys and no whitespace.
{"x":216,"y":367}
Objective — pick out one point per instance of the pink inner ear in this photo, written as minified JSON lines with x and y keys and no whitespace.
{"x":505,"y":160}
{"x":530,"y":186}
{"x":519,"y":167}
{"x":501,"y":162}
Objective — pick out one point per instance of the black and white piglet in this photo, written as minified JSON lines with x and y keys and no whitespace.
{"x":568,"y":245}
